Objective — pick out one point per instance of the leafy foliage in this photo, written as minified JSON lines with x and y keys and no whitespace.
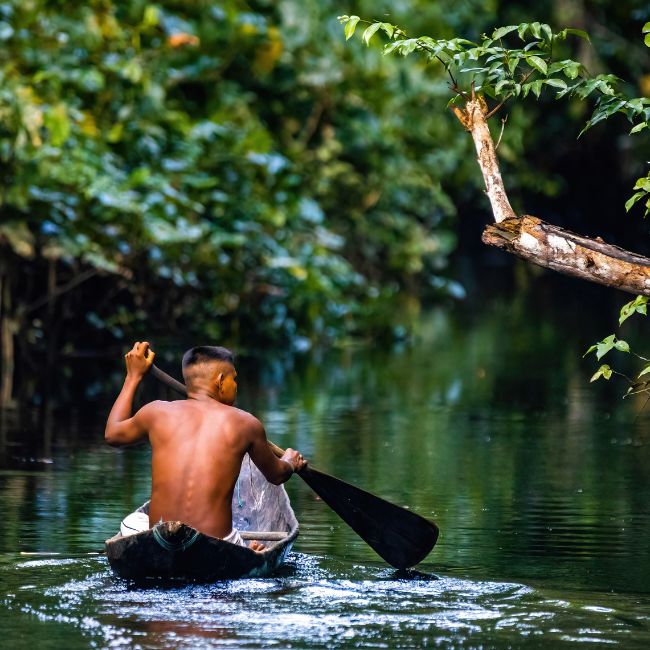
{"x":635,"y":107}
{"x":637,"y":306}
{"x":501,"y":72}
{"x":218,"y":169}
{"x":607,"y":344}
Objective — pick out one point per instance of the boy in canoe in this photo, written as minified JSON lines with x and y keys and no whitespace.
{"x":198,"y":444}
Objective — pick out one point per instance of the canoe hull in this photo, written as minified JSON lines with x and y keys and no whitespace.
{"x":172,"y":550}
{"x":208,"y":559}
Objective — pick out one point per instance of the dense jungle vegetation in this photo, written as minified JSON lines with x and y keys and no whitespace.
{"x":232,"y":171}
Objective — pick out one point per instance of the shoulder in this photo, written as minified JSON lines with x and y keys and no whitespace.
{"x":245,"y":421}
{"x":153,"y":409}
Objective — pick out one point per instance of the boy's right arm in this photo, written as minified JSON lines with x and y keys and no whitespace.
{"x":275,"y":470}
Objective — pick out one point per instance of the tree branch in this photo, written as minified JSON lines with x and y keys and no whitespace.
{"x":473,"y":118}
{"x":561,"y":250}
{"x":57,"y":291}
{"x":542,"y":243}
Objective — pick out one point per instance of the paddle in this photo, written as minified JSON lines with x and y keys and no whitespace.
{"x":401,"y":537}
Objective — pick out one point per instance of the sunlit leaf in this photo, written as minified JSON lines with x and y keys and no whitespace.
{"x":604,"y":371}
{"x":604,"y":346}
{"x":537,"y":63}
{"x":637,"y":306}
{"x":535,"y":30}
{"x":548,"y":32}
{"x":556,"y":83}
{"x":622,"y":346}
{"x":57,"y":123}
{"x":351,"y":26}
{"x":502,"y":31}
{"x":370,"y":32}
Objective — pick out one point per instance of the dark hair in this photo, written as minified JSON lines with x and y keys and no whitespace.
{"x":203,"y":353}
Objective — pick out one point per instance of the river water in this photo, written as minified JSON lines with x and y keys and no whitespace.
{"x":539,"y":481}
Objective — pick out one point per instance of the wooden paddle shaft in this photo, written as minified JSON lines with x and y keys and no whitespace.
{"x":170,"y":382}
{"x":265,"y":535}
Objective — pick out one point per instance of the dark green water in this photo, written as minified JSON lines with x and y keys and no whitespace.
{"x":539,"y":481}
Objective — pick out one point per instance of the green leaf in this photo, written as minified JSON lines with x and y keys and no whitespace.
{"x":350,"y":26}
{"x":151,"y":16}
{"x":632,"y":200}
{"x":646,"y":28}
{"x":639,"y":127}
{"x":557,"y":66}
{"x":646,"y":40}
{"x":57,"y":122}
{"x":502,"y":31}
{"x":501,"y":84}
{"x":556,"y":83}
{"x":591,"y":349}
{"x":572,"y":70}
{"x":404,"y":47}
{"x":604,"y":371}
{"x":643,"y":184}
{"x":389,"y":29}
{"x":638,"y":305}
{"x":622,"y":346}
{"x":645,"y":371}
{"x":535,"y":30}
{"x":536,"y":87}
{"x":537,"y":63}
{"x":370,"y":32}
{"x":604,"y":346}
{"x":579,"y":33}
{"x":548,"y":32}
{"x":487,"y":89}
{"x":522,"y":29}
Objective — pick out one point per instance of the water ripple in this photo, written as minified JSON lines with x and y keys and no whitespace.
{"x":312,"y":604}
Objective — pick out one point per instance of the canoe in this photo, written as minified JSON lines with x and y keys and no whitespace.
{"x":176,"y":551}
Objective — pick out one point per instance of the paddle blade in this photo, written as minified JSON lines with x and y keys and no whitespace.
{"x":399,"y":536}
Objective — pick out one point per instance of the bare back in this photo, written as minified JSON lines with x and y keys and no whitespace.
{"x":197,"y":450}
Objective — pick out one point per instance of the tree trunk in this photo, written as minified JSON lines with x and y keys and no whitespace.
{"x":542,"y":243}
{"x":7,"y":331}
{"x":51,"y":349}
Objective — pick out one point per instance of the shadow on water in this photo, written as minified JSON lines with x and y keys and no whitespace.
{"x":412,"y":574}
{"x":486,"y":424}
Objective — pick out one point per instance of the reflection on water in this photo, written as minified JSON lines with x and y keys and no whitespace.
{"x":538,"y":481}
